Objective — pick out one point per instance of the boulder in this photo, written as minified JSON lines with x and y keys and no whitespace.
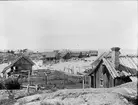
{"x":34,"y":103}
{"x":28,"y":99}
{"x":126,"y":92}
{"x":55,"y":101}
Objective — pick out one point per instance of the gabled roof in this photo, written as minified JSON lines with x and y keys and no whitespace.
{"x":16,"y":60}
{"x":97,"y":62}
{"x":110,"y":67}
{"x":128,"y":65}
{"x":63,"y":54}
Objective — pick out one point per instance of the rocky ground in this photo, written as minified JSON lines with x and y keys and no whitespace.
{"x":125,"y":94}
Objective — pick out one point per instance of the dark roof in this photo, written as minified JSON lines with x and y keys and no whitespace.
{"x":75,"y":54}
{"x":93,"y":52}
{"x":50,"y":54}
{"x":63,"y":54}
{"x":127,"y":67}
{"x":16,"y":60}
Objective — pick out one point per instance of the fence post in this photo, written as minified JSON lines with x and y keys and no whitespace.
{"x":29,"y":77}
{"x":45,"y":79}
{"x":64,"y":78}
{"x":89,"y":81}
{"x":83,"y":83}
{"x":36,"y":87}
{"x":27,"y":89}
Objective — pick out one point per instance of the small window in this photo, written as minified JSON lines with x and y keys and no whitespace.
{"x":101,"y":82}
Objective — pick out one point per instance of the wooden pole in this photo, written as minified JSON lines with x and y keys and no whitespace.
{"x":83,"y":83}
{"x":79,"y":69}
{"x":86,"y":80}
{"x":45,"y":79}
{"x":27,"y":89}
{"x":29,"y":77}
{"x":64,"y":81}
{"x":36,"y":87}
{"x":90,"y":81}
{"x":64,"y":78}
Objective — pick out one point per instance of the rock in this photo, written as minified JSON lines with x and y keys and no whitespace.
{"x":110,"y":96}
{"x":3,"y":94}
{"x":30,"y":103}
{"x":34,"y":103}
{"x":55,"y":101}
{"x":129,"y":95}
{"x":125,"y":100}
{"x":17,"y":103}
{"x":126,"y":92}
{"x":74,"y":101}
{"x":28,"y":99}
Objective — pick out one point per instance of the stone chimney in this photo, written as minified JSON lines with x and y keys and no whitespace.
{"x":115,"y":56}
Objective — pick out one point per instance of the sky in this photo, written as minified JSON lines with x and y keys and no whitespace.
{"x":68,"y":24}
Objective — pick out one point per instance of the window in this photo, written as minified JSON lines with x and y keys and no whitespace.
{"x":101,"y":81}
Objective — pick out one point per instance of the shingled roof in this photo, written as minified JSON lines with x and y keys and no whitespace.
{"x":128,"y":65}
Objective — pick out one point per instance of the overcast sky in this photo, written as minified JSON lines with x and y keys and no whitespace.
{"x":68,"y":24}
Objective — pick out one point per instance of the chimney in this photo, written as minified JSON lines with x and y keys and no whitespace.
{"x":115,"y":56}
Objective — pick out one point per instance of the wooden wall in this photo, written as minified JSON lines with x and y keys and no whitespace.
{"x":108,"y":79}
{"x":101,"y":79}
{"x":23,"y":64}
{"x":98,"y":76}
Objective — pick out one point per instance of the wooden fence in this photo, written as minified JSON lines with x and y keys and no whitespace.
{"x":56,"y":79}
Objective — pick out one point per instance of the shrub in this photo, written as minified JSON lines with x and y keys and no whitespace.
{"x":12,"y":83}
{"x":1,"y":84}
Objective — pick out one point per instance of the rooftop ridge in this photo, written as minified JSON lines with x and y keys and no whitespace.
{"x":129,"y":55}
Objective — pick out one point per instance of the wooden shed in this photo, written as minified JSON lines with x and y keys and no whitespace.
{"x":93,"y":53}
{"x":112,"y":69}
{"x":22,"y":65}
{"x":50,"y":56}
{"x":75,"y":54}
